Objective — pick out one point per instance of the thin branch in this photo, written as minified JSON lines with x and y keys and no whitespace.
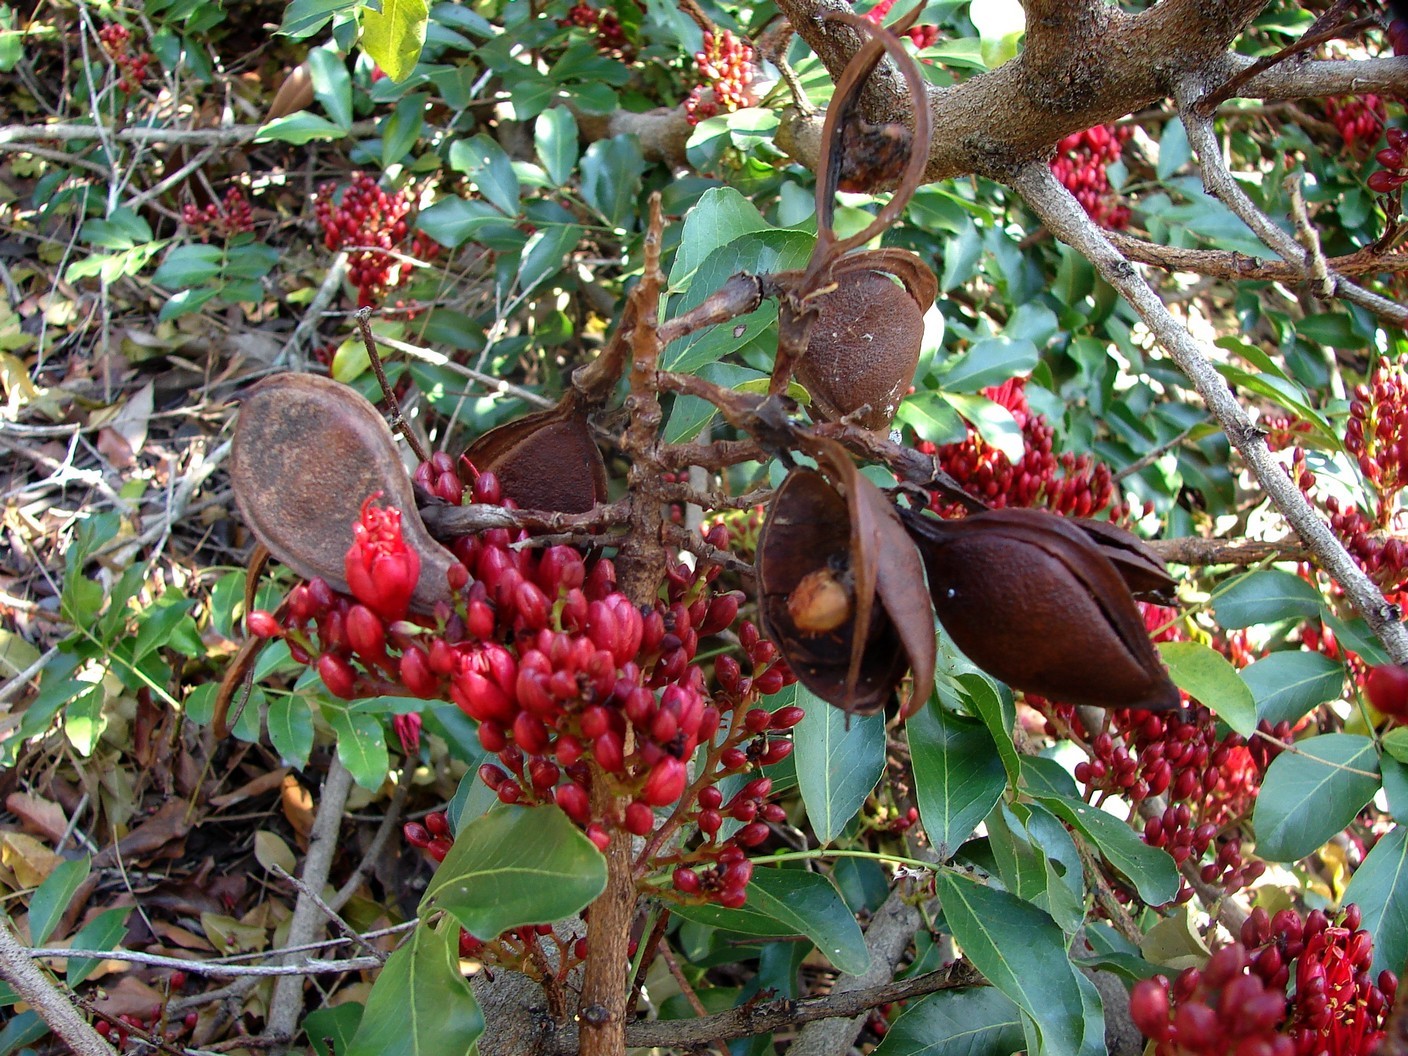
{"x":229,"y":136}
{"x":1062,"y":214}
{"x":398,"y":422}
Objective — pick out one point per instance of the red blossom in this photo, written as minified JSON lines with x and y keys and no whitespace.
{"x":381,"y":569}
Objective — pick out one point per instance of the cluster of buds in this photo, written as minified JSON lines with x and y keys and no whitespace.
{"x":1377,"y":433}
{"x":608,"y":34}
{"x":143,"y":1032}
{"x":922,"y":36}
{"x":1237,"y":1004}
{"x":1080,"y":163}
{"x":1394,"y":173}
{"x":1383,"y":557}
{"x":221,"y":220}
{"x":1359,"y":119}
{"x":727,"y":71}
{"x":371,"y":224}
{"x":744,"y":528}
{"x":570,"y":682}
{"x":131,"y":65}
{"x":1072,"y":485}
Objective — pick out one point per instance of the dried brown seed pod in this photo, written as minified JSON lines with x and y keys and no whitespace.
{"x":547,"y":460}
{"x":833,"y":546}
{"x":307,"y":452}
{"x":1141,"y":568}
{"x":865,"y":336}
{"x":1033,"y":600}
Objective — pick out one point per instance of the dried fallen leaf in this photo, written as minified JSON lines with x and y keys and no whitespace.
{"x":163,"y":831}
{"x":270,"y":851}
{"x":28,"y":858}
{"x":257,"y":787}
{"x":39,"y":816}
{"x":298,"y":806}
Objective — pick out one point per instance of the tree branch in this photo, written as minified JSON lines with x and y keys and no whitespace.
{"x":17,"y":969}
{"x":1065,"y":218}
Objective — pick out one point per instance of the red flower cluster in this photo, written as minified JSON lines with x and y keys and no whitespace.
{"x":1359,"y":118}
{"x":922,"y":36}
{"x":561,"y":671}
{"x":607,"y":32}
{"x":224,"y":219}
{"x":1394,"y":173}
{"x":1237,"y":1004}
{"x":370,"y":223}
{"x":145,"y":1029}
{"x":131,"y":66}
{"x":1073,"y":485}
{"x":1080,"y":163}
{"x":1377,"y":434}
{"x":727,"y":69}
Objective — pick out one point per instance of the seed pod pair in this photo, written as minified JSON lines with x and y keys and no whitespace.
{"x":842,"y":589}
{"x":1045,"y":604}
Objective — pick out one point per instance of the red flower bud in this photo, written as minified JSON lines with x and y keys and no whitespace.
{"x":338,"y":676}
{"x":575,"y":803}
{"x":416,"y":674}
{"x":262,"y":624}
{"x":640,"y":819}
{"x":381,"y":569}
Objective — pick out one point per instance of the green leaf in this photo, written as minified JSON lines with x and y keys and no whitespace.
{"x":303,"y":18}
{"x":402,"y":128}
{"x":837,"y":768}
{"x":1022,"y":952}
{"x":1267,"y":595}
{"x":1038,"y":861}
{"x":302,"y":127}
{"x":103,"y":932}
{"x":1379,"y":888}
{"x":990,"y":361}
{"x":999,"y":714}
{"x":958,"y":775}
{"x":995,"y":423}
{"x":21,"y":1030}
{"x":1395,"y":780}
{"x":491,"y":169}
{"x":331,"y":1029}
{"x":555,"y":139}
{"x":290,"y":723}
{"x":187,"y":301}
{"x":548,"y":249}
{"x":1207,"y":676}
{"x":978,"y":1021}
{"x":420,"y":1004}
{"x":1396,"y":743}
{"x":932,"y":417}
{"x":453,"y":221}
{"x":1312,"y":792}
{"x":720,"y":216}
{"x":1286,"y":685}
{"x":611,"y":174}
{"x":332,"y":85}
{"x":52,"y":897}
{"x":516,"y":866}
{"x":1174,"y":149}
{"x":1150,"y":869}
{"x":122,"y":229}
{"x":793,"y":902}
{"x":361,"y":744}
{"x":394,"y":36}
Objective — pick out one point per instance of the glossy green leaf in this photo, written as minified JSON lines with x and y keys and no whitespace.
{"x":189,"y":265}
{"x":1395,"y":780}
{"x":1021,"y":951}
{"x":1209,"y":678}
{"x":995,"y":424}
{"x":21,"y":1030}
{"x":402,"y":128}
{"x":1267,"y":595}
{"x":1312,"y":792}
{"x":720,"y":216}
{"x":361,"y":744}
{"x":1396,"y":743}
{"x":958,"y":775}
{"x":1288,"y":684}
{"x":491,"y":169}
{"x":332,"y":85}
{"x":837,"y":768}
{"x":302,"y":18}
{"x":1038,"y":862}
{"x":1379,"y":888}
{"x":331,"y":1028}
{"x":979,"y":1021}
{"x":52,"y":897}
{"x":527,"y":865}
{"x":420,"y":1004}
{"x":999,"y":715}
{"x":394,"y":36}
{"x":546,"y":253}
{"x":302,"y":127}
{"x":103,"y":932}
{"x":990,"y":361}
{"x":611,"y":175}
{"x":290,"y":722}
{"x":1150,"y":869}
{"x":454,"y":221}
{"x":555,"y":139}
{"x":793,"y":902}
{"x":932,"y":417}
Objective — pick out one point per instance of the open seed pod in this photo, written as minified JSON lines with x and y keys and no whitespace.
{"x":307,"y":452}
{"x":1035,"y":601}
{"x":546,"y":460}
{"x":1142,"y":570}
{"x":864,"y":339}
{"x":842,"y":588}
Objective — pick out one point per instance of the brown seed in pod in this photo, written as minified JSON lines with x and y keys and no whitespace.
{"x":864,"y":341}
{"x":1034,"y":601}
{"x":842,"y":591}
{"x":307,"y":452}
{"x":545,"y":461}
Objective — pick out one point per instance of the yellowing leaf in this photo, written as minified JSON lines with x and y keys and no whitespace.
{"x":394,"y":36}
{"x":270,"y":851}
{"x":29,"y":859}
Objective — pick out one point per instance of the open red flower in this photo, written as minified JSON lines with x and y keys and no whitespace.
{"x":381,"y":569}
